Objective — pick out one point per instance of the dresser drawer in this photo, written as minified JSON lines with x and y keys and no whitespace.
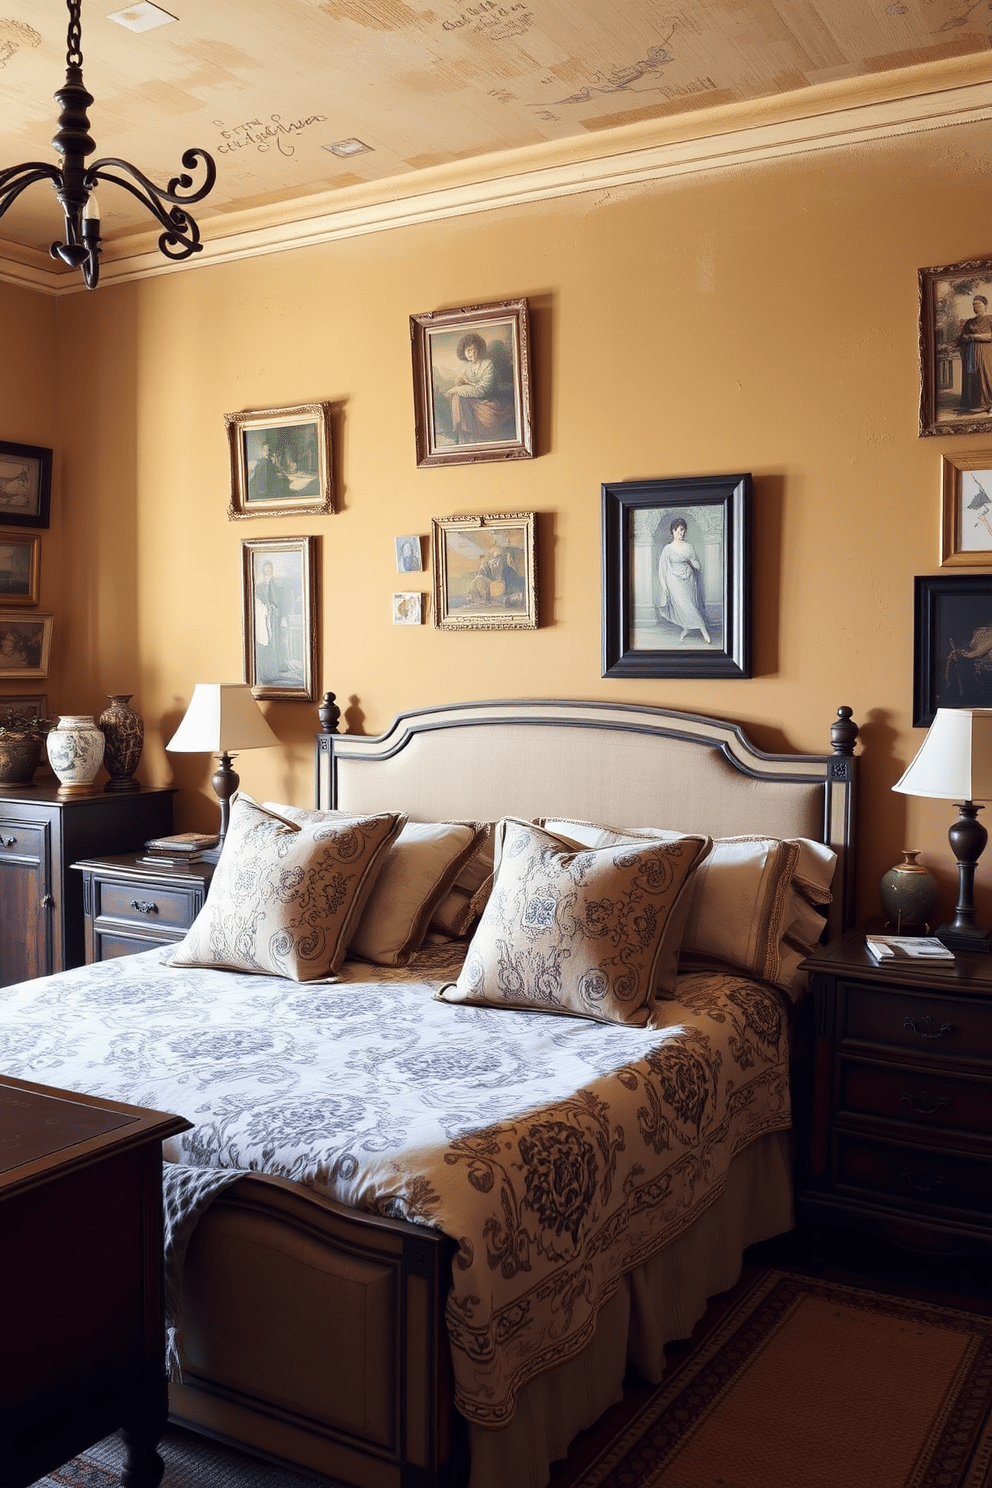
{"x":152,"y":906}
{"x":929,"y":1097}
{"x":914,"y":1177}
{"x":936,"y":1027}
{"x":21,"y":841}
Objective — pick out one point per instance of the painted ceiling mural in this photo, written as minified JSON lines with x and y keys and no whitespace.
{"x":268,"y":86}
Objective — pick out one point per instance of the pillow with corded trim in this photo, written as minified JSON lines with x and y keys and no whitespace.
{"x":286,"y":896}
{"x":419,"y":869}
{"x":568,"y":929}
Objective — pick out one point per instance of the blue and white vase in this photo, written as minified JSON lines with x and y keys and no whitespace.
{"x":75,"y":752}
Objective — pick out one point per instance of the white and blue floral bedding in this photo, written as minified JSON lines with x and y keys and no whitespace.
{"x":558,"y":1152}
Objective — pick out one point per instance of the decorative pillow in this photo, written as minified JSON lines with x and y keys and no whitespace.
{"x":577,"y":931}
{"x":753,"y":905}
{"x":419,"y":869}
{"x":461,"y":905}
{"x":285,"y":896}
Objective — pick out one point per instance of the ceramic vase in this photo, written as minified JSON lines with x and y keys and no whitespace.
{"x":124,"y":731}
{"x":909,"y":896}
{"x":75,"y":752}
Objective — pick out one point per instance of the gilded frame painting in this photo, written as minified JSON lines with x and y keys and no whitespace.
{"x":281,"y":461}
{"x":676,"y":577}
{"x":956,"y":348}
{"x":279,"y":607}
{"x":20,"y":568}
{"x":472,"y":384}
{"x":25,"y":645}
{"x":25,"y":485}
{"x":485,"y":575}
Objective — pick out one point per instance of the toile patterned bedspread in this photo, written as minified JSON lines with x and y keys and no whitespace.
{"x":559,"y":1153}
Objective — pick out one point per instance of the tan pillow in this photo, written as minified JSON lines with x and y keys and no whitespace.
{"x":419,"y":870}
{"x":577,"y":931}
{"x":286,"y":896}
{"x":460,"y":907}
{"x":753,"y":904}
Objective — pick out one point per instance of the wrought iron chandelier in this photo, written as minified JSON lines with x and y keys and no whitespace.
{"x":75,"y":182}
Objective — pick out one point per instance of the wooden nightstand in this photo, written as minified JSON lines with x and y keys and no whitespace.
{"x":901,"y":1138}
{"x":81,"y":1275}
{"x":131,"y":904}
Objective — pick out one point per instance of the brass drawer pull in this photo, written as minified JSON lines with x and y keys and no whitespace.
{"x":925,"y":1027}
{"x":8,"y":841}
{"x":921,"y":1180}
{"x":144,"y":906}
{"x":925,"y":1104}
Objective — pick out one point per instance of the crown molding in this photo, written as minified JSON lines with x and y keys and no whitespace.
{"x":852,"y":112}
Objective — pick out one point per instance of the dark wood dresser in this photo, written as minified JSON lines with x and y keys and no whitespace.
{"x":901,"y":1130}
{"x":41,"y":834}
{"x":83,"y":1350}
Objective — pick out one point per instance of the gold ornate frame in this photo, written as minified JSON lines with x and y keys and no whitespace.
{"x":279,"y":622}
{"x":485,"y":576}
{"x":288,"y":489}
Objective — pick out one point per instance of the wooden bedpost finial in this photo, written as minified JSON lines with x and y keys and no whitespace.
{"x":844,"y":732}
{"x":328,"y":713}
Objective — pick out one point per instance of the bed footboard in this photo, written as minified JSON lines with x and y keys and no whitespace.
{"x":314,"y":1335}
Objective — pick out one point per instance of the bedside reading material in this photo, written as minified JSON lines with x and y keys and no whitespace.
{"x":907,"y":948}
{"x":183,"y":844}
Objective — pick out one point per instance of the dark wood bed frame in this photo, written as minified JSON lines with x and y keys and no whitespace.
{"x":340,"y":1363}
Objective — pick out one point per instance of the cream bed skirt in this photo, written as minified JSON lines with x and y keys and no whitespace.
{"x":659,"y":1302}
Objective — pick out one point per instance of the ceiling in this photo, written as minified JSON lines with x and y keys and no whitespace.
{"x":437,"y":89}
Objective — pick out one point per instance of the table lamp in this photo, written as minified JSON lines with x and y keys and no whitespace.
{"x":955,"y":764}
{"x":222,"y":718}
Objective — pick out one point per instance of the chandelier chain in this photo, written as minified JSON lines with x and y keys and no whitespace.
{"x":74,"y":36}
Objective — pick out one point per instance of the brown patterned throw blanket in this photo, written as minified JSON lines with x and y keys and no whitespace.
{"x":559,"y":1153}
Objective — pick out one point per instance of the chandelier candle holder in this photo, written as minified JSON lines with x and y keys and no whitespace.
{"x":75,"y":181}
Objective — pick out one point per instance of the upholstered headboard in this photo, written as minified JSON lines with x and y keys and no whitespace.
{"x":619,"y":764}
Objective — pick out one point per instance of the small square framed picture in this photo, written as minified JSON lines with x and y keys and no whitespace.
{"x":25,"y":485}
{"x":966,"y":510}
{"x":408,"y":608}
{"x":25,"y":645}
{"x":280,"y":461}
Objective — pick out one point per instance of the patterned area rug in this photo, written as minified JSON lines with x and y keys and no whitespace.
{"x":191,"y":1461}
{"x":809,"y":1384}
{"x":802,"y":1384}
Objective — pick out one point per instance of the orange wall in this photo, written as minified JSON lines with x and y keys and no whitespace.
{"x":759,"y":320}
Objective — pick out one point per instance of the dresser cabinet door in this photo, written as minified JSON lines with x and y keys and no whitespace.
{"x":26,"y":900}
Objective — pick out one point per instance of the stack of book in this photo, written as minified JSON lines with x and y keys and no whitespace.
{"x":907,"y":948}
{"x":179,"y":851}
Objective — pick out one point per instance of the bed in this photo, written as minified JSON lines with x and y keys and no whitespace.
{"x":337,"y":1301}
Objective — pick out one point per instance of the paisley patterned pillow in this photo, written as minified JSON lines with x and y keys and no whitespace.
{"x":575,"y":930}
{"x":286,"y":896}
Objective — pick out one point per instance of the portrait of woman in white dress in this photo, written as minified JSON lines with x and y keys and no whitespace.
{"x":680,"y":590}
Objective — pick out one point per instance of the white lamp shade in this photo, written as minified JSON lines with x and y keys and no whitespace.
{"x":222,"y":718}
{"x":955,"y":759}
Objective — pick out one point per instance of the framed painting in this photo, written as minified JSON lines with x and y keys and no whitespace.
{"x":25,"y":485}
{"x":471,"y":384}
{"x":279,"y":604}
{"x":281,"y":461}
{"x":966,"y":511}
{"x":25,"y":645}
{"x":484,"y":572}
{"x":956,"y":348}
{"x":408,"y":608}
{"x":20,"y":569}
{"x":676,"y":577}
{"x":952,"y":644}
{"x":409,"y":558}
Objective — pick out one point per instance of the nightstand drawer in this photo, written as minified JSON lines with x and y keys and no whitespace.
{"x":935,"y":1027}
{"x":914,"y":1177}
{"x":152,"y":906}
{"x":924,"y":1097}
